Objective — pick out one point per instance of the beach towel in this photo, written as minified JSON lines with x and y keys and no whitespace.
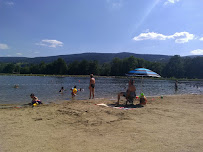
{"x":128,"y":107}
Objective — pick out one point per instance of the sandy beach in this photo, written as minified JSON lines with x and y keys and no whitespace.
{"x":171,"y":124}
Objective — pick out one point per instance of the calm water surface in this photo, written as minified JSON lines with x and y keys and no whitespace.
{"x":47,"y":88}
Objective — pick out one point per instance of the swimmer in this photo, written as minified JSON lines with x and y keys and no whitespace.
{"x":61,"y":91}
{"x":16,"y":86}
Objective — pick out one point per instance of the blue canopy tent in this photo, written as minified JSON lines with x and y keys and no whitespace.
{"x":142,"y":72}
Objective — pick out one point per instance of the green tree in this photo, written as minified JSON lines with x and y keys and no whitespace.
{"x":116,"y":65}
{"x":9,"y":68}
{"x":25,"y":70}
{"x":73,"y":68}
{"x":2,"y":66}
{"x":175,"y":67}
{"x":34,"y":69}
{"x":195,"y":68}
{"x":141,"y":63}
{"x":17,"y":68}
{"x":83,"y":67}
{"x":93,"y":67}
{"x":60,"y":66}
{"x":128,"y":64}
{"x":43,"y":68}
{"x":105,"y":69}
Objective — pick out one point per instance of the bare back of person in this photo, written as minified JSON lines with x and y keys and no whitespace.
{"x":131,"y":88}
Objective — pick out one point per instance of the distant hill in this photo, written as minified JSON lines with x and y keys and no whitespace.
{"x":100,"y":57}
{"x":12,"y":59}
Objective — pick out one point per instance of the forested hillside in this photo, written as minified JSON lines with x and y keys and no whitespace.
{"x":100,"y":57}
{"x":177,"y":67}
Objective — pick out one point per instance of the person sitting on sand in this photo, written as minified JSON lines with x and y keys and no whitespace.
{"x":143,"y":99}
{"x":130,"y":93}
{"x":35,"y":99}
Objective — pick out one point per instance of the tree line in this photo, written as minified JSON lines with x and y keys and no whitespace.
{"x":177,"y":67}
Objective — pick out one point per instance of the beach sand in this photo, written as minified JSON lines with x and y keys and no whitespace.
{"x":171,"y":124}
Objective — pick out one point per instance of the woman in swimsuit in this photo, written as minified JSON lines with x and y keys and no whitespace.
{"x":92,"y":86}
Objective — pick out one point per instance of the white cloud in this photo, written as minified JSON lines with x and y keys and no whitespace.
{"x":201,"y":39}
{"x":50,"y":43}
{"x":9,"y":3}
{"x":180,"y":37}
{"x":3,"y":46}
{"x":149,"y":36}
{"x":197,"y":52}
{"x":171,"y":2}
{"x":19,"y":54}
{"x":115,"y":4}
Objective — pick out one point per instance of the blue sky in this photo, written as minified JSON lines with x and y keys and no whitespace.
{"x":34,"y":28}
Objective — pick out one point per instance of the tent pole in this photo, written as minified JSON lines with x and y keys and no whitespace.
{"x":141,"y":84}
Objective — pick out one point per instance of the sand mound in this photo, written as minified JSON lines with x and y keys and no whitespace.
{"x":173,"y":123}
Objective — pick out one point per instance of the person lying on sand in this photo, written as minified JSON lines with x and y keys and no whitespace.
{"x":35,"y":100}
{"x":130,"y":93}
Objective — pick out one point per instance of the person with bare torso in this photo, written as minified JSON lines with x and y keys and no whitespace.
{"x":129,"y":93}
{"x":92,"y":86}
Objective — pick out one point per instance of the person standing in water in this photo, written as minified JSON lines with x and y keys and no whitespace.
{"x":92,"y":86}
{"x":176,"y":85}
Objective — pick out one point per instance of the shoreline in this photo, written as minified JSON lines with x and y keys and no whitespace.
{"x":171,"y":123}
{"x":58,"y":102}
{"x":121,"y":77}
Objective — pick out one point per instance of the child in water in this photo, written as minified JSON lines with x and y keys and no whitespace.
{"x":61,"y":91}
{"x":74,"y":91}
{"x":35,"y":100}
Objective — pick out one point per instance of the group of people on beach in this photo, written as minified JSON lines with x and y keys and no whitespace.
{"x":130,"y":93}
{"x":74,"y":91}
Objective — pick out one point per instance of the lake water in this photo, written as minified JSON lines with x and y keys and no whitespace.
{"x":47,"y":88}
